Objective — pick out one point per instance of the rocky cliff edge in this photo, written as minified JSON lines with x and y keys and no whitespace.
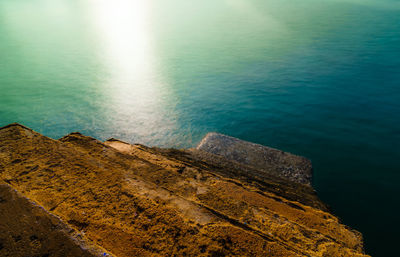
{"x":77,"y":196}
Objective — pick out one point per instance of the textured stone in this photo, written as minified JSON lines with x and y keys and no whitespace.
{"x":133,"y":200}
{"x":262,"y":158}
{"x":29,"y":230}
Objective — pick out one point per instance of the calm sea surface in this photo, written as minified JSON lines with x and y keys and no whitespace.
{"x":319,"y":78}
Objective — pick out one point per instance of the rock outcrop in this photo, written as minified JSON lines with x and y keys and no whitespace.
{"x":29,"y":230}
{"x":261,"y":158}
{"x":77,"y":196}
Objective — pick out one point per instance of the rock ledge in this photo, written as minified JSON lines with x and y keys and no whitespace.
{"x":78,"y":196}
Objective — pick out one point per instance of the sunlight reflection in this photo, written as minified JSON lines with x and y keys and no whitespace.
{"x":135,"y":83}
{"x":125,"y":33}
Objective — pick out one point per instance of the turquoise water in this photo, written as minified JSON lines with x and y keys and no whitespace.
{"x":316,"y":78}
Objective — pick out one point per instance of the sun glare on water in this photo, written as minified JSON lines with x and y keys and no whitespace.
{"x":137,"y":91}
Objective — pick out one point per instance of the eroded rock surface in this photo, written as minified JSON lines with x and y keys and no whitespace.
{"x":133,"y":200}
{"x":29,"y":230}
{"x":261,"y":158}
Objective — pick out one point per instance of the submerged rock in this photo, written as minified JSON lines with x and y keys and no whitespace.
{"x":132,"y":200}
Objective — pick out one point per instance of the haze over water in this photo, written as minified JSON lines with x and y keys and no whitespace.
{"x":317,"y":78}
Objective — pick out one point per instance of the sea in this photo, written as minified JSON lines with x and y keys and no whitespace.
{"x":317,"y":78}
